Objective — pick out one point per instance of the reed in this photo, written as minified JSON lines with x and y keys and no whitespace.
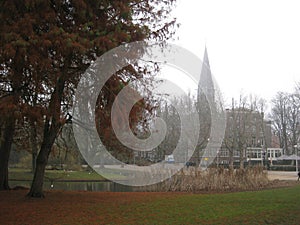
{"x":213,"y":179}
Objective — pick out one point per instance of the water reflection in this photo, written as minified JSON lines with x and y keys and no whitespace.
{"x":77,"y":186}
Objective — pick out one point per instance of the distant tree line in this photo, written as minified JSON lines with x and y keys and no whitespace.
{"x":285,"y":114}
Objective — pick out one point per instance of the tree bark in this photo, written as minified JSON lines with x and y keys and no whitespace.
{"x":38,"y":179}
{"x":36,"y":189}
{"x":6,"y":143}
{"x":51,"y":128}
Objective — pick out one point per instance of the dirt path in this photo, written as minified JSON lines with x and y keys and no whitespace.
{"x":280,"y":179}
{"x":282,"y":175}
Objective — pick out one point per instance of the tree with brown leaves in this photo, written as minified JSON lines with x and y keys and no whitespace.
{"x":47,"y":45}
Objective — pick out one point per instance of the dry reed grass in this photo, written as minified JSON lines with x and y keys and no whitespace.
{"x":213,"y":179}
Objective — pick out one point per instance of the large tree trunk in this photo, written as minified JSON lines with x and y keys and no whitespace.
{"x":38,"y":179}
{"x":51,"y":128}
{"x":36,"y":189}
{"x":6,"y":143}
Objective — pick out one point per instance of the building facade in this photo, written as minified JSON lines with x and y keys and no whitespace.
{"x":248,"y":136}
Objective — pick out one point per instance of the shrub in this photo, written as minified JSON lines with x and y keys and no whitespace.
{"x":213,"y":179}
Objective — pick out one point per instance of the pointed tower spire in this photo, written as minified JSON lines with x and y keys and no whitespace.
{"x":206,"y":85}
{"x":205,"y":107}
{"x":205,"y":58}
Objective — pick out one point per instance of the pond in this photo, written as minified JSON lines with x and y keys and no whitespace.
{"x":77,"y":185}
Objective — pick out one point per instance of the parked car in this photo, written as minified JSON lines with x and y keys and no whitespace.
{"x":189,"y":163}
{"x":170,"y":159}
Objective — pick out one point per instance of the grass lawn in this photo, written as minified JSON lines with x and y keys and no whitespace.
{"x":275,"y":206}
{"x":26,"y":174}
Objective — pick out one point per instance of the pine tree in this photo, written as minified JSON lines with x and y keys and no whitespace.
{"x":47,"y":45}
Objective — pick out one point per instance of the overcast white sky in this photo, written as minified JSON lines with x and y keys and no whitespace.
{"x":253,"y":46}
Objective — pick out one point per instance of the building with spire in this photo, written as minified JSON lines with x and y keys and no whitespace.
{"x":205,"y":107}
{"x":247,"y":134}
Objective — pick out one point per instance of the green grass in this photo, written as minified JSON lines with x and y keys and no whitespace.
{"x":26,"y":174}
{"x":278,"y":206}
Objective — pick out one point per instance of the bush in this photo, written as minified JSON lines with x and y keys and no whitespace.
{"x":213,"y":179}
{"x":25,"y":162}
